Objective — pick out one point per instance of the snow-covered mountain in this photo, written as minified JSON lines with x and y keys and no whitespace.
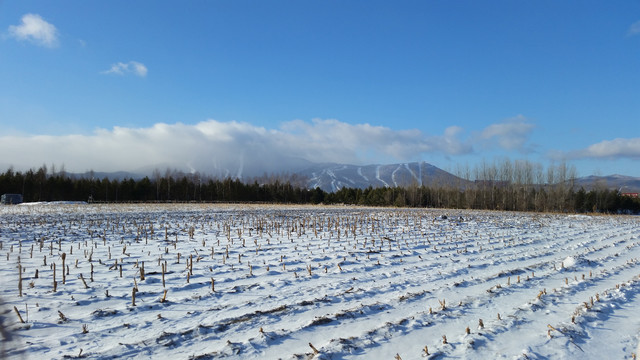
{"x":332,"y":177}
{"x":329,"y":176}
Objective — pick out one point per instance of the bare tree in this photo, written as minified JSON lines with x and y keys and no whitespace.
{"x":157,"y":177}
{"x":169,"y":178}
{"x":506,"y":183}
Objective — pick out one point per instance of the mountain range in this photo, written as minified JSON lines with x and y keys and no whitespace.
{"x":622,"y":183}
{"x":332,"y":177}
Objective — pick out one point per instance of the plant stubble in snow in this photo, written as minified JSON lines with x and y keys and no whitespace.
{"x":224,"y":281}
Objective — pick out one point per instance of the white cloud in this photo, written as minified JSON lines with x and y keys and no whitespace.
{"x":634,"y":29}
{"x":617,"y":148}
{"x":138,"y":68}
{"x":337,"y":141}
{"x":512,"y":134}
{"x":35,"y":29}
{"x":132,"y":67}
{"x":214,"y":147}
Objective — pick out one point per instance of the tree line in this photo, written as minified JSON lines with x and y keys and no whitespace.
{"x":41,"y":185}
{"x":495,"y":197}
{"x":489,"y":190}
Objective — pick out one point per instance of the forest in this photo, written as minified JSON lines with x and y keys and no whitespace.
{"x":563,"y":196}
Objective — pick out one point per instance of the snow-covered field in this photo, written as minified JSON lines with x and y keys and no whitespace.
{"x":316,"y":282}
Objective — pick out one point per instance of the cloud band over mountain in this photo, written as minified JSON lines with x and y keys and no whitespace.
{"x":211,"y":146}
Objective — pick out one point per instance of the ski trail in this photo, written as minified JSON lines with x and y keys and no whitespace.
{"x":413,"y":174}
{"x":393,"y":175}
{"x":333,"y":178}
{"x":315,"y":180}
{"x":378,"y":176}
{"x":360,"y":173}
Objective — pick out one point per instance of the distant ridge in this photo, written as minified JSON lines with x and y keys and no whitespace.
{"x":329,"y":177}
{"x":622,"y":183}
{"x":333,"y":177}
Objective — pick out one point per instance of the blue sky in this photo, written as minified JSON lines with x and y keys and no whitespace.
{"x":126,"y":85}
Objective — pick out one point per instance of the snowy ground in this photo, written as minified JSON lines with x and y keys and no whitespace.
{"x":316,"y":282}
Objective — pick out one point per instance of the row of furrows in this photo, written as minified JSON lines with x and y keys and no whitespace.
{"x":371,"y":270}
{"x":372,"y":293}
{"x":614,"y":310}
{"x":365,"y":294}
{"x":490,"y":289}
{"x":395,"y":288}
{"x":466,"y":311}
{"x":203,"y":250}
